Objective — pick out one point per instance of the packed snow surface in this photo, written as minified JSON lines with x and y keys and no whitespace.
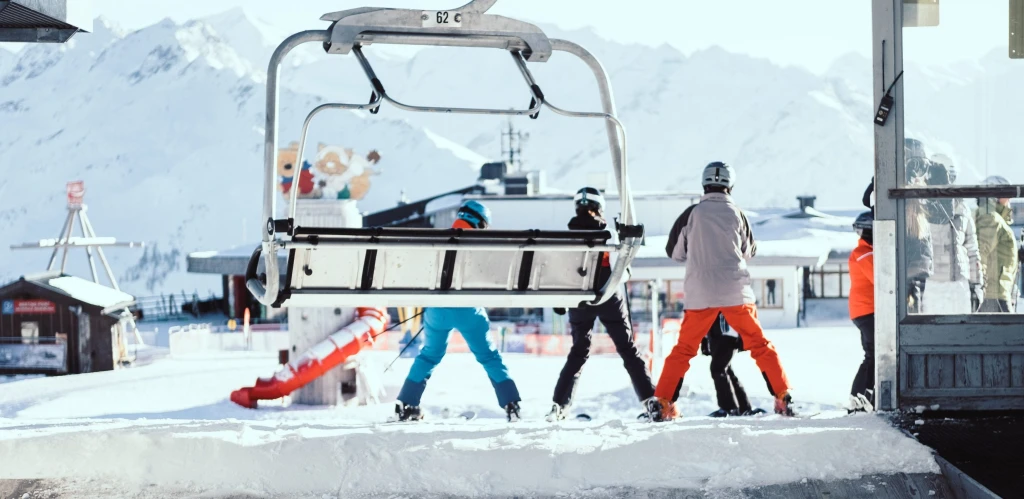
{"x":170,"y":425}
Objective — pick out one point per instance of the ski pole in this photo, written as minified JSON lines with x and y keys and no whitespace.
{"x":392,"y":328}
{"x":406,"y":347}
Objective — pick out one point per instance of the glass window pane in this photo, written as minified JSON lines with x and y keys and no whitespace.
{"x":963,"y":256}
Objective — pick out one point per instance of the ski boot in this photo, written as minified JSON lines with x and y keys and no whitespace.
{"x":722,"y":413}
{"x":407,"y":412}
{"x":784,"y":405}
{"x":512,"y":412}
{"x":754,"y":412}
{"x":859,"y":403}
{"x":660,"y":410}
{"x":558,"y":413}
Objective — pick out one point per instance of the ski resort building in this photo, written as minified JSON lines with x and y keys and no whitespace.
{"x":58,"y":324}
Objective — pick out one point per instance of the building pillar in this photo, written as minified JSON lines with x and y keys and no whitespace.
{"x":309,"y":326}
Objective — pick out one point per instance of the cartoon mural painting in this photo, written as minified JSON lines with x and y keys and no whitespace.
{"x":286,"y":159}
{"x":347,"y":176}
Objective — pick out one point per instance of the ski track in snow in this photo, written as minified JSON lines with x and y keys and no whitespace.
{"x":169,"y":425}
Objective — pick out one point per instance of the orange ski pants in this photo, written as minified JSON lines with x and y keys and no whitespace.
{"x":696,"y":323}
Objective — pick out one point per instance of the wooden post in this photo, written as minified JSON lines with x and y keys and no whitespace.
{"x":309,"y":326}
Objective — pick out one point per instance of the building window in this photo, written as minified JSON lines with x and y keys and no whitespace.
{"x":830,"y":281}
{"x":768,"y":292}
{"x":29,"y":333}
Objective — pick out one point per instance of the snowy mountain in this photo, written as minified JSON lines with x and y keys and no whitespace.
{"x":165,"y":125}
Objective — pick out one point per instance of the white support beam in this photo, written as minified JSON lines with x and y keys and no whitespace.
{"x":890,"y":295}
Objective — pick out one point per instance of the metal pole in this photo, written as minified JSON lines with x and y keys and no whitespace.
{"x":614,"y":138}
{"x":63,"y":231}
{"x":67,"y":239}
{"x":890,"y":219}
{"x":103,"y":257}
{"x":657,"y":343}
{"x":270,"y":154}
{"x":88,"y":252}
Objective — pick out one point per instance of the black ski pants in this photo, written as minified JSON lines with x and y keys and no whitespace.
{"x":615,"y":317}
{"x":731,"y":395}
{"x":865,"y":379}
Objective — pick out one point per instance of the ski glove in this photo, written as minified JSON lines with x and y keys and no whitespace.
{"x":559,"y":311}
{"x":977,"y":296}
{"x":705,"y":346}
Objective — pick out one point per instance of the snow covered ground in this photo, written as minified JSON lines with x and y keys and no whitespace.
{"x":168,"y":427}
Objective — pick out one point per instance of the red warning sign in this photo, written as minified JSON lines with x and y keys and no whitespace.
{"x":37,"y":307}
{"x":76,"y":193}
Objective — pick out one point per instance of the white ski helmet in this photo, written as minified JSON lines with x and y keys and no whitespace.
{"x":719,"y":174}
{"x":590,"y":198}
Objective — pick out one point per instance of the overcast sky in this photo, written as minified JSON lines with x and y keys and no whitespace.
{"x":808,"y":33}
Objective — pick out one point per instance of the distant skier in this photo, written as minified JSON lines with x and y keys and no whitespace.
{"x":956,"y":285}
{"x":862,"y":311}
{"x":721,"y":343}
{"x":999,"y":252}
{"x":713,"y":238}
{"x":614,"y":314}
{"x":919,"y":251}
{"x":474,"y":326}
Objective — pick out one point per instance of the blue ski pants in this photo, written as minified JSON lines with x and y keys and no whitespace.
{"x":474,"y":326}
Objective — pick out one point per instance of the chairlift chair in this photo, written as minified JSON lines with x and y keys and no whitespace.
{"x":393,"y":267}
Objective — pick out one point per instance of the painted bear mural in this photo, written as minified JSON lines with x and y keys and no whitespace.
{"x":286,"y":159}
{"x":346,"y":176}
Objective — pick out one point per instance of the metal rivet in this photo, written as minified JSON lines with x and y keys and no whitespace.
{"x":458,"y":18}
{"x":424,"y":17}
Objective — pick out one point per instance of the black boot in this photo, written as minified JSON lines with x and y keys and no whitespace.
{"x":408,"y":412}
{"x":512,"y":412}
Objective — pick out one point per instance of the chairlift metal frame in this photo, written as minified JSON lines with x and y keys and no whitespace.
{"x":451,"y":256}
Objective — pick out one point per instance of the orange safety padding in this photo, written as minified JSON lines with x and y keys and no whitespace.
{"x":369,"y":323}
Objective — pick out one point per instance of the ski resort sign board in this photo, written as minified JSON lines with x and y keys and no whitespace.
{"x":28,"y":307}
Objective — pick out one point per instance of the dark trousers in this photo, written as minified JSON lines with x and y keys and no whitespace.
{"x":731,"y":395}
{"x":615,"y":317}
{"x":865,"y":379}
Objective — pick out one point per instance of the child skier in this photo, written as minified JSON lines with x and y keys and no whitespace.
{"x":474,"y":326}
{"x":721,"y":343}
{"x":614,"y":314}
{"x":713,"y":238}
{"x":862,"y":312}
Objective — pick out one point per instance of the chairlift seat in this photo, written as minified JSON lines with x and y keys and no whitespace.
{"x":393,"y":267}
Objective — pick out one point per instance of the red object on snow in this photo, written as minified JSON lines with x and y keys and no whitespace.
{"x":324,"y":356}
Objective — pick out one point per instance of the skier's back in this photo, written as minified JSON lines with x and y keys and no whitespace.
{"x":714,"y":240}
{"x":474,"y":326}
{"x":614,"y":314}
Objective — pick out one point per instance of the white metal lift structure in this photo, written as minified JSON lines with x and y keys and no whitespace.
{"x":390,"y":267}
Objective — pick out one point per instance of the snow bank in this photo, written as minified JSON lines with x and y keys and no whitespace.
{"x":471,"y":459}
{"x":170,"y":424}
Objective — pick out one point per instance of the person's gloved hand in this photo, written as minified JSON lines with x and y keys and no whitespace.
{"x":559,"y":311}
{"x":705,"y":346}
{"x":977,"y":296}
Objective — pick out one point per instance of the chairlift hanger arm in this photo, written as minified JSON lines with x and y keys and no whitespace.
{"x":378,"y":87}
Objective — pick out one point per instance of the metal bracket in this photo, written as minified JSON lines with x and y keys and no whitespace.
{"x":475,"y":28}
